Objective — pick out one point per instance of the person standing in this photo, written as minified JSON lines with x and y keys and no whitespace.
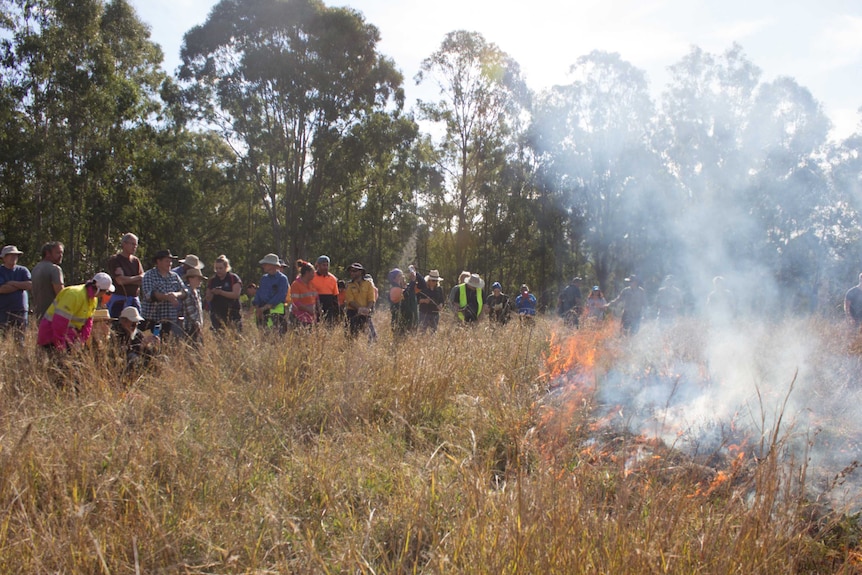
{"x":403,"y":304}
{"x":15,"y":280}
{"x":47,"y":278}
{"x":187,"y":263}
{"x":668,"y":300}
{"x":193,"y":313}
{"x":304,"y":296}
{"x":633,"y":298}
{"x":127,"y":273}
{"x":269,"y":300}
{"x":359,"y":299}
{"x":720,"y":305}
{"x":570,"y":303}
{"x":162,"y":293}
{"x":497,"y":305}
{"x":853,"y":305}
{"x":69,"y":318}
{"x":469,"y":299}
{"x":454,"y":293}
{"x":431,"y":302}
{"x":596,"y":305}
{"x":223,"y":295}
{"x":326,"y":286}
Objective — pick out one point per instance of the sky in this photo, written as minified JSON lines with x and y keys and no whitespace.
{"x":818,"y":44}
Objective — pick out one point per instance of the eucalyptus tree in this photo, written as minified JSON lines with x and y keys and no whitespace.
{"x":594,"y":140}
{"x":790,"y":196}
{"x":701,"y":134}
{"x":482,"y":96}
{"x":285,"y":83}
{"x":84,"y":78}
{"x":845,"y":215}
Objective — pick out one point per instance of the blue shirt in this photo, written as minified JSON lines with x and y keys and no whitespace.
{"x":17,"y":301}
{"x":272,"y":290}
{"x":526,"y":304}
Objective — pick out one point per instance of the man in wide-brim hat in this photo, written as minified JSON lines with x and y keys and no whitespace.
{"x":269,"y":300}
{"x":431,"y":302}
{"x":470,"y":299}
{"x":162,"y":290}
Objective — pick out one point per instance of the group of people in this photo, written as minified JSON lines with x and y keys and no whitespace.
{"x":166,"y":300}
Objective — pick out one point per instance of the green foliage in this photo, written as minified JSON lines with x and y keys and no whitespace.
{"x":292,"y":85}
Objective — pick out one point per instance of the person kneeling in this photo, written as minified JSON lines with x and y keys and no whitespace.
{"x":138,"y":348}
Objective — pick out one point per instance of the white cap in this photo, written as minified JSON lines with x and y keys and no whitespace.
{"x":103,"y":282}
{"x":131,"y":313}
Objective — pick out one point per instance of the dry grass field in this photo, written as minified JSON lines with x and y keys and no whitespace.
{"x":470,"y":451}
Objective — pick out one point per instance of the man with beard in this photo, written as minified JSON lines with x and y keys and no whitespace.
{"x":47,"y":278}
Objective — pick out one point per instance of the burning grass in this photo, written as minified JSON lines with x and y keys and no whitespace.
{"x":468,"y":452}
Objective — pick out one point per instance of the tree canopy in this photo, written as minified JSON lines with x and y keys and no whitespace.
{"x":285,"y":130}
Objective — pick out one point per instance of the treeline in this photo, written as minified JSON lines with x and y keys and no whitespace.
{"x":286,"y":130}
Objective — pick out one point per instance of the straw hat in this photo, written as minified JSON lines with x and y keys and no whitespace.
{"x":102,"y":315}
{"x":433,"y":275}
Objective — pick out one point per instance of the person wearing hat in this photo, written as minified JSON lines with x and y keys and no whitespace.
{"x":469,"y":300}
{"x":431,"y":302}
{"x":668,"y":300}
{"x":162,"y":293}
{"x":498,"y":305}
{"x":47,"y":277}
{"x":403,"y":302}
{"x":570,"y":303}
{"x":633,"y":298}
{"x":15,"y":280}
{"x":358,"y":299}
{"x":127,"y":273}
{"x":138,"y":348}
{"x":224,"y":293}
{"x":596,"y":305}
{"x":269,"y":300}
{"x":456,"y":290}
{"x":189,"y":262}
{"x":69,"y":318}
{"x":101,"y":331}
{"x":193,"y":314}
{"x":326,"y":286}
{"x":526,"y":303}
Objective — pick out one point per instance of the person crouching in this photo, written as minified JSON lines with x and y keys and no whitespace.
{"x":138,"y":348}
{"x":69,"y":319}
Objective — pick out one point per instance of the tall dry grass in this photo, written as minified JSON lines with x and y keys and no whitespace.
{"x":313,"y":453}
